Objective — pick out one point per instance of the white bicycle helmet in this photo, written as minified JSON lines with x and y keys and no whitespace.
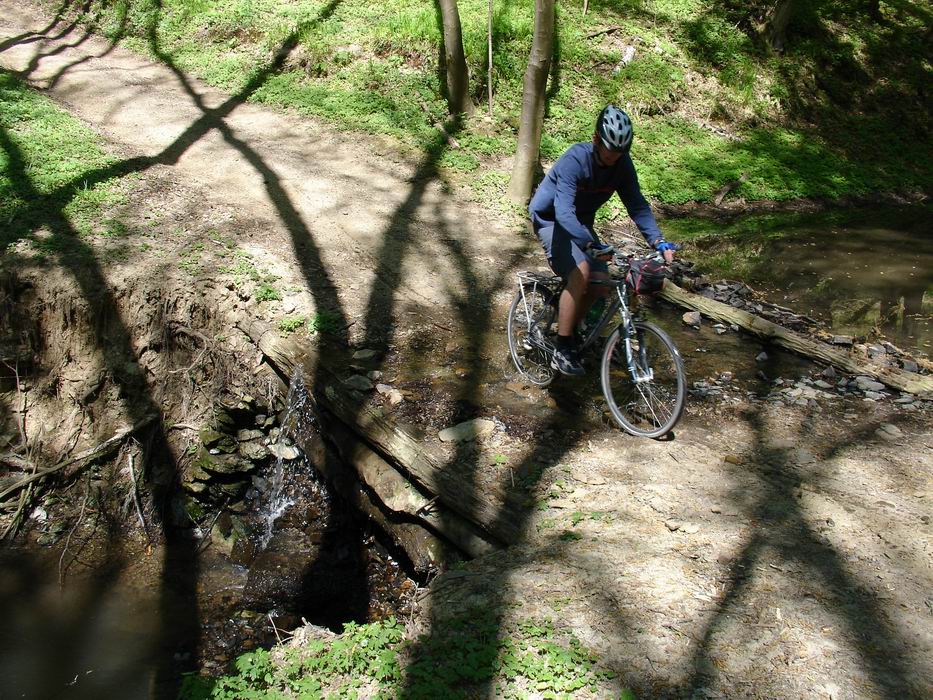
{"x":615,"y":129}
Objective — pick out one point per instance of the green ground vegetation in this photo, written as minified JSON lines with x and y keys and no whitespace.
{"x":45,"y":156}
{"x":834,"y":114}
{"x":376,"y":660}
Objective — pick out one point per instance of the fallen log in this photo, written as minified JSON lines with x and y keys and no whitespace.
{"x":909,"y":382}
{"x":397,"y":494}
{"x":490,"y":507}
{"x":425,"y":551}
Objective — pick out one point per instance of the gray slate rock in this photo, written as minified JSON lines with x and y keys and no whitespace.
{"x":359,"y":383}
{"x":467,"y":430}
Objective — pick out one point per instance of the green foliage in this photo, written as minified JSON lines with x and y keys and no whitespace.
{"x":290,"y":324}
{"x":374,"y":660}
{"x":321,"y":322}
{"x":46,"y":157}
{"x":267,"y":292}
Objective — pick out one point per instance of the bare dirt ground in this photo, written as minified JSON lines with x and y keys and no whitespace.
{"x":766,"y":551}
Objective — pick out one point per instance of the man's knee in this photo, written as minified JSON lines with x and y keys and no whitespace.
{"x":583,"y":267}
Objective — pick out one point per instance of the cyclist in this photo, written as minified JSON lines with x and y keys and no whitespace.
{"x":563,"y":210}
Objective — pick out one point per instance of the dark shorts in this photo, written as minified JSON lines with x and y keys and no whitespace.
{"x":563,"y":254}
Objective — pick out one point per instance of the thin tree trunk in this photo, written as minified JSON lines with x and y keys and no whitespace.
{"x":529,"y":132}
{"x":775,"y":29}
{"x":489,"y":58}
{"x":458,"y":77}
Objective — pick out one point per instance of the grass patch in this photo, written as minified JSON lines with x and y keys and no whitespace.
{"x":46,"y":157}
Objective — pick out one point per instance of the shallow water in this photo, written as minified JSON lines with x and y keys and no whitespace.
{"x":870,"y":275}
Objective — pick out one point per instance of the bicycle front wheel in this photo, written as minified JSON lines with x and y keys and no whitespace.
{"x":646,"y":391}
{"x":530,"y":319}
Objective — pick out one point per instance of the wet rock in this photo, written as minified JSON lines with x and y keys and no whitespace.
{"x":876,"y":351}
{"x":761,"y":357}
{"x":247,"y":435}
{"x":873,"y":395}
{"x":214,"y":439}
{"x":205,"y":461}
{"x":905,"y":398}
{"x":283,"y":451}
{"x":910,"y":366}
{"x":197,"y":473}
{"x":822,"y":385}
{"x":467,"y":430}
{"x":829,"y":373}
{"x":223,"y":420}
{"x":393,"y":395}
{"x":253,"y":450}
{"x":845,"y":340}
{"x":365,"y":354}
{"x":359,"y":383}
{"x":374,"y":375}
{"x":692,"y":318}
{"x":720,"y":329}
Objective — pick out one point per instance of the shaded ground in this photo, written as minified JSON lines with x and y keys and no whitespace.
{"x":766,"y":551}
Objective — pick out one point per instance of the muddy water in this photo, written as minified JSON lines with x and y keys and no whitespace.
{"x":863,"y":274}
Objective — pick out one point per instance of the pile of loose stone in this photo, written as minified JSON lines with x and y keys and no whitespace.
{"x":741,"y":296}
{"x":809,"y":391}
{"x":238,"y":442}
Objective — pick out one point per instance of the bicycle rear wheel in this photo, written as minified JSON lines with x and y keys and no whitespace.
{"x":650,"y":405}
{"x":530,"y":319}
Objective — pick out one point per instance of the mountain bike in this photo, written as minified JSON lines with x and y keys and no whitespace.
{"x":641,"y":371}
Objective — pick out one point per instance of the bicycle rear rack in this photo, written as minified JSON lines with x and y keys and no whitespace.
{"x":531,"y":281}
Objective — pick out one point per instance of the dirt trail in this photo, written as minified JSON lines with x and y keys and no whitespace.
{"x":767,"y":551}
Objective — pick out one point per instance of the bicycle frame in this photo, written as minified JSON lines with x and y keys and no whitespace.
{"x":617,"y":304}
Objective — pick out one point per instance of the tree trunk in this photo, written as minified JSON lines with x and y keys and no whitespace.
{"x":458,"y":77}
{"x":529,"y":132}
{"x":489,"y":58}
{"x":775,"y":29}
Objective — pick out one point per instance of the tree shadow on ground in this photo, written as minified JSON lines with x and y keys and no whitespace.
{"x":783,"y":531}
{"x":178,"y":636}
{"x":44,"y":33}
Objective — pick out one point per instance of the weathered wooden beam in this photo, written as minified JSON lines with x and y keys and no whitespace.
{"x":397,"y":494}
{"x":893,"y":377}
{"x":493,"y":510}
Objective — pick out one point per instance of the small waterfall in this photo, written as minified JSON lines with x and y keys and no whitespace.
{"x":299,"y":416}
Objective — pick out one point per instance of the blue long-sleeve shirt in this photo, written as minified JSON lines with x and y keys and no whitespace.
{"x":577,"y":186}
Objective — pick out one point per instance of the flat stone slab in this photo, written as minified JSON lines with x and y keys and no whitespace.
{"x":467,"y":431}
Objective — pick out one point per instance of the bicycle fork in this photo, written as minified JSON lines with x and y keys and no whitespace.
{"x":638,"y":368}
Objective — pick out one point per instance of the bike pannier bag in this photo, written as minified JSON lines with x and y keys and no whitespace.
{"x":646,"y":276}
